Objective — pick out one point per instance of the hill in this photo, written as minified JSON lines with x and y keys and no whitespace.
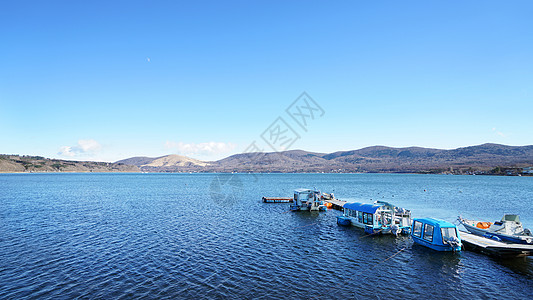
{"x":17,"y":163}
{"x":168,"y":163}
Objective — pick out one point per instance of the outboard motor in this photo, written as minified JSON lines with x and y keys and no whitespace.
{"x":395,"y":229}
{"x":454,"y":242}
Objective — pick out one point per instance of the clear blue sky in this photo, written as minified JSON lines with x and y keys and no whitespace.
{"x":113,"y":79}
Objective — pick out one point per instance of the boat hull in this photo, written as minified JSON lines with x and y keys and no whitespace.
{"x":297,"y":208}
{"x":347,"y":221}
{"x":442,"y":248}
{"x":374,"y":230}
{"x":344,"y":221}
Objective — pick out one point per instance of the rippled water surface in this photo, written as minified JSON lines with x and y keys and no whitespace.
{"x":209,"y":236}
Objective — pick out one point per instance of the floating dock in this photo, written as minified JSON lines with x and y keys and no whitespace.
{"x":277,"y":200}
{"x":494,"y":248}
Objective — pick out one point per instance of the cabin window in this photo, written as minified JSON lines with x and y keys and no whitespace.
{"x":447,"y":234}
{"x":360,"y":216}
{"x":428,"y":233}
{"x":417,"y":229}
{"x":368,"y":218}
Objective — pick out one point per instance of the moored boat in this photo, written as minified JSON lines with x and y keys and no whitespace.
{"x":308,"y":199}
{"x":436,"y":234}
{"x":509,"y":229}
{"x":379,"y":217}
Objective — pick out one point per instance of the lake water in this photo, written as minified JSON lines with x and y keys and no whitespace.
{"x":208,"y":236}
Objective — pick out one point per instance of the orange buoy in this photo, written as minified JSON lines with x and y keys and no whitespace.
{"x":329,"y":205}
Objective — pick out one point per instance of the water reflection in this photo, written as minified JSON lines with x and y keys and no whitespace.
{"x":519,"y":265}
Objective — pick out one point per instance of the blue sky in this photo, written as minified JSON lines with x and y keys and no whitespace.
{"x":106,"y":81}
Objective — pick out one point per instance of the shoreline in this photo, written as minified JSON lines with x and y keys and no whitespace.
{"x":258,"y":173}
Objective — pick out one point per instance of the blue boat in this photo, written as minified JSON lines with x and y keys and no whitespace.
{"x":380,"y":217}
{"x":436,"y":234}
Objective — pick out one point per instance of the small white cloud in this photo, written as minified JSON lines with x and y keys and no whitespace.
{"x":89,"y":147}
{"x":66,"y":151}
{"x":498,"y":132}
{"x":209,"y":148}
{"x":148,"y":59}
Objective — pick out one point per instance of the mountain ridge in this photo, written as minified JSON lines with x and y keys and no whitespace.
{"x":377,"y":159}
{"x":487,"y":158}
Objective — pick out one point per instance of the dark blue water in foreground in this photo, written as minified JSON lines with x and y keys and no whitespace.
{"x":174,"y":236}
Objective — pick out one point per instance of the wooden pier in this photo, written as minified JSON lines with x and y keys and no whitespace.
{"x":494,"y":248}
{"x":336,"y":204}
{"x":277,"y":200}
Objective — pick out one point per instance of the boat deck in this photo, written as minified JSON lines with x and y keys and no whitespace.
{"x":492,"y":247}
{"x":336,"y":203}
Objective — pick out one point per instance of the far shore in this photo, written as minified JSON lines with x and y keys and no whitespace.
{"x":261,"y":173}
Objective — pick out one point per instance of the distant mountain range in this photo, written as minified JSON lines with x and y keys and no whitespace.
{"x":482,"y":158}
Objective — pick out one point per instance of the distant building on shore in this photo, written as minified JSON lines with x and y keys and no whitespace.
{"x":528,"y":170}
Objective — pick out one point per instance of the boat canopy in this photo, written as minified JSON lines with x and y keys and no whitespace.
{"x":299,"y":191}
{"x":512,"y":218}
{"x":435,"y":222}
{"x":384,"y":203}
{"x":362,"y":207}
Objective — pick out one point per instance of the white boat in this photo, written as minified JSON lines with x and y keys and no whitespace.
{"x":509,"y":229}
{"x":308,"y":199}
{"x":379,"y":217}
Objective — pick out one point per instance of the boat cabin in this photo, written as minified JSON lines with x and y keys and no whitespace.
{"x":436,"y":234}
